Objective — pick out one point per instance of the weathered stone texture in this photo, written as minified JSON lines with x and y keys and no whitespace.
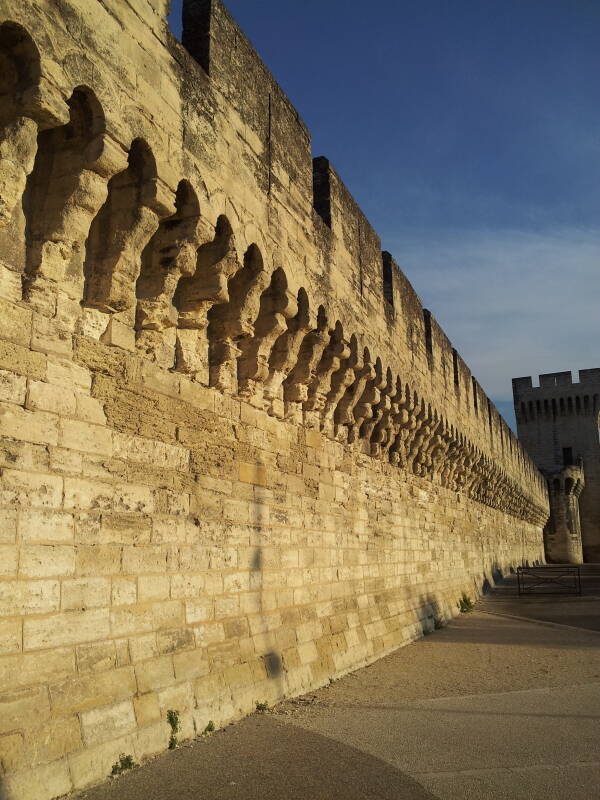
{"x":238,"y":458}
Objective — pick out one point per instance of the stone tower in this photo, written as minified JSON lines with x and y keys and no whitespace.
{"x":558,"y":424}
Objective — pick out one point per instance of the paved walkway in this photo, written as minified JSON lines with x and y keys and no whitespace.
{"x":491,"y":707}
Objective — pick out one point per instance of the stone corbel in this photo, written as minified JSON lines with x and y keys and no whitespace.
{"x":37,"y":108}
{"x":295,"y":386}
{"x":341,"y":379}
{"x":379,"y":409}
{"x":336,"y":350}
{"x":253,"y":362}
{"x":283,"y":358}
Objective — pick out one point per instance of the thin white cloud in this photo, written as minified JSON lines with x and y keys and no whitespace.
{"x":513,"y":303}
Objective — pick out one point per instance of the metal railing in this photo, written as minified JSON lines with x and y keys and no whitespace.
{"x":549,"y":579}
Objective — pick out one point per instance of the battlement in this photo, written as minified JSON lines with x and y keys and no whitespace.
{"x":557,"y":380}
{"x":557,"y":395}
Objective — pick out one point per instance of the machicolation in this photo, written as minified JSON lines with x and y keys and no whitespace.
{"x":238,"y":457}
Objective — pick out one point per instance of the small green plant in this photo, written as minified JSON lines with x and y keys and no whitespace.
{"x":262,"y":706}
{"x":465,"y":603}
{"x":123,"y":764}
{"x":210,"y":727}
{"x":173,"y":720}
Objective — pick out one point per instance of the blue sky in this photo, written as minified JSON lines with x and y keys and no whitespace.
{"x":469,"y":133}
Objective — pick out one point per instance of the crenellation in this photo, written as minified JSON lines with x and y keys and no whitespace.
{"x":235,"y":447}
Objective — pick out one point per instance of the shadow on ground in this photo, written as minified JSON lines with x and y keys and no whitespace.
{"x":262,"y":757}
{"x":565,"y":609}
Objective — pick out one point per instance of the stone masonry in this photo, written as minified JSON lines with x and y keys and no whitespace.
{"x":238,"y":458}
{"x":559,"y":426}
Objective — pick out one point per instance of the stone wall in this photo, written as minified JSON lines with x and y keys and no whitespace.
{"x":238,"y":457}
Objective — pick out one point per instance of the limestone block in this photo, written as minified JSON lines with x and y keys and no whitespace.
{"x":12,"y":747}
{"x":12,"y":387}
{"x":123,"y":654}
{"x":253,"y":473}
{"x":199,"y":610}
{"x":10,"y":284}
{"x":85,"y":437}
{"x":124,"y":592}
{"x":118,"y":335}
{"x":94,"y":322}
{"x":147,"y":710}
{"x":154,"y":674}
{"x":83,"y":692}
{"x":10,"y":636}
{"x":28,"y":597}
{"x":66,"y":373}
{"x":49,"y":337}
{"x":185,"y":586}
{"x":15,"y":358}
{"x":143,"y":647}
{"x":94,"y":763}
{"x":47,"y":397}
{"x":8,"y":560}
{"x":174,"y":640}
{"x":45,"y":526}
{"x":41,"y":783}
{"x":190,"y":664}
{"x":55,"y":739}
{"x":103,"y":724}
{"x":136,"y":448}
{"x":66,"y":629}
{"x":180,"y":697}
{"x":87,"y":495}
{"x":97,"y":559}
{"x":18,"y":705}
{"x":16,"y":323}
{"x":153,"y":587}
{"x":83,"y":593}
{"x":209,"y":634}
{"x":46,"y":560}
{"x":147,"y":558}
{"x":89,"y":409}
{"x":8,"y":525}
{"x":151,"y":740}
{"x":23,"y":670}
{"x":96,"y":657}
{"x":30,"y":489}
{"x":31,"y":426}
{"x":132,"y":498}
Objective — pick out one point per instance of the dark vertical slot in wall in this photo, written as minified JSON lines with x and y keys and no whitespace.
{"x":455,"y":368}
{"x":428,"y":337}
{"x":322,"y":189}
{"x":195,"y":17}
{"x":475,"y":402}
{"x":489,"y":408}
{"x":388,"y":278}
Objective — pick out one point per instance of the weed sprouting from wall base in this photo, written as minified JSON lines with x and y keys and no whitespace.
{"x":173,"y":720}
{"x":465,"y":603}
{"x":124,"y":763}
